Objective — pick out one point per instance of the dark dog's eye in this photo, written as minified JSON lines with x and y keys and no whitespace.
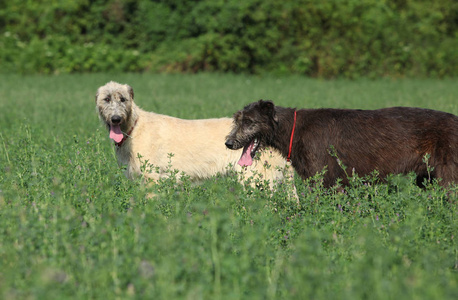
{"x":247,"y":122}
{"x":107,"y":99}
{"x":123,"y":99}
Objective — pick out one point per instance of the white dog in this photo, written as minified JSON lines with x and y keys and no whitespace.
{"x":197,"y":146}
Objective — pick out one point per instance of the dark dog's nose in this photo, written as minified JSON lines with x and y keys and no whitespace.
{"x":116,"y":119}
{"x":230,"y":144}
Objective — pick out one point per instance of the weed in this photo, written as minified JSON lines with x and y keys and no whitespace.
{"x":73,"y":226}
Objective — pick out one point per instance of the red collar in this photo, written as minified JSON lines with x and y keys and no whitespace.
{"x":288,"y":159}
{"x":126,"y":136}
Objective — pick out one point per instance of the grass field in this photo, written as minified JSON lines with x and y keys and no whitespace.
{"x":73,"y":227}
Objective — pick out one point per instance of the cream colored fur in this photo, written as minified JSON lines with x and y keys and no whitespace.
{"x":197,"y":145}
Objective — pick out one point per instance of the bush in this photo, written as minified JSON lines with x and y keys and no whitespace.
{"x":348,"y":38}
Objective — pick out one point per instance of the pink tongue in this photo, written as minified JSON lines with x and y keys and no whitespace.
{"x":116,"y":134}
{"x":246,"y":159}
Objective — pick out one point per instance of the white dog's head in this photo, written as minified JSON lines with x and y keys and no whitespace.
{"x":114,"y":104}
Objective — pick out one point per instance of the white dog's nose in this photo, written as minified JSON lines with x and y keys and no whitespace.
{"x":116,"y":119}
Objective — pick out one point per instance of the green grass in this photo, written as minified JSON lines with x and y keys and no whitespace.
{"x":72,"y":226}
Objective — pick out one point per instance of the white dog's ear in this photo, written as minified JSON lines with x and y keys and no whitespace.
{"x":96,"y":96}
{"x":131,"y":91}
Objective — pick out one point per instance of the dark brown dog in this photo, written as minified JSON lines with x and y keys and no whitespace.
{"x":391,"y":140}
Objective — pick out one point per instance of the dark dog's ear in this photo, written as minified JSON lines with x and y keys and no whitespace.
{"x":237,"y":115}
{"x":130,"y":90}
{"x":268,"y":107}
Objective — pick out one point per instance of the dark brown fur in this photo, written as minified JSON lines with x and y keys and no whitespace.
{"x":391,"y":140}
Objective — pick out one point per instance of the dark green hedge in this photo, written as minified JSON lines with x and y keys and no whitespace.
{"x":341,"y":38}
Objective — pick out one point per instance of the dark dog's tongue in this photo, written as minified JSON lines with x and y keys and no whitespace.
{"x":246,"y":159}
{"x":115,"y":133}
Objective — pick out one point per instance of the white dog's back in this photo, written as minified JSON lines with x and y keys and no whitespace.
{"x":197,"y":147}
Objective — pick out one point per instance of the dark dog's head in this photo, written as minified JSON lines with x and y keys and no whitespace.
{"x":253,"y":128}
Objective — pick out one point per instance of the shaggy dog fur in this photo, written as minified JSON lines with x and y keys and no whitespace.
{"x":391,"y":140}
{"x":197,"y":145}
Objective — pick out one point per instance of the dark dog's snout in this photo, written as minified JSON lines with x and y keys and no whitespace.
{"x":230,"y":144}
{"x":116,"y":120}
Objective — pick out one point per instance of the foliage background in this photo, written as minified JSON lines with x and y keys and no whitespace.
{"x":328,"y":39}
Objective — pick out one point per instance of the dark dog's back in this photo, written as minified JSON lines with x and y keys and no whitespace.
{"x":392,"y":140}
